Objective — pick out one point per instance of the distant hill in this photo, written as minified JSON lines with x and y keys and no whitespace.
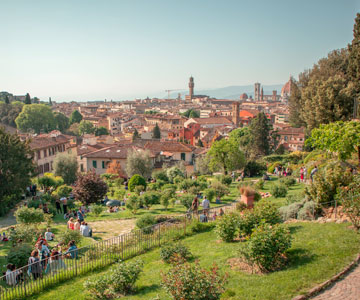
{"x":230,"y":92}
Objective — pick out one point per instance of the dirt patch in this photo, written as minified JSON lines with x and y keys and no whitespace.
{"x":111,"y":228}
{"x":240,"y":265}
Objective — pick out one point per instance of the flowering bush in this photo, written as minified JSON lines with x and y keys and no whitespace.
{"x":70,"y":235}
{"x":227,"y":227}
{"x":145,"y":223}
{"x":99,"y":288}
{"x":168,"y":252}
{"x":266,"y":247}
{"x":27,"y":215}
{"x":124,"y":276}
{"x":191,"y":282}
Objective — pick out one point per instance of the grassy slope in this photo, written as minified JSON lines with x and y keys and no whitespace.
{"x":319,"y":251}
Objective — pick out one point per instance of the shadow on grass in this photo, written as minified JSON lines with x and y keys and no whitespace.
{"x":293,"y":229}
{"x":299,"y":257}
{"x":147,"y":289}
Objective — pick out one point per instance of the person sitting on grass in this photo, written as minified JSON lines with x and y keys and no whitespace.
{"x":35,"y":266}
{"x":70,"y":224}
{"x":85,"y":230}
{"x":55,"y":262}
{"x":77,"y":225}
{"x":11,"y":274}
{"x":49,"y":236}
{"x":3,"y":237}
{"x":72,"y":252}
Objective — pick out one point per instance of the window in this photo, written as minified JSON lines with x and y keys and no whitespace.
{"x":39,"y":154}
{"x":285,"y":138}
{"x":183,"y":155}
{"x":46,"y":167}
{"x":94,"y":163}
{"x":103,"y":164}
{"x":81,"y":167}
{"x":45,"y":153}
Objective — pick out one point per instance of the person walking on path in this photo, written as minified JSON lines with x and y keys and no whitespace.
{"x":206,"y":206}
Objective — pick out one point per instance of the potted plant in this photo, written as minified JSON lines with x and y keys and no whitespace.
{"x":248,"y":196}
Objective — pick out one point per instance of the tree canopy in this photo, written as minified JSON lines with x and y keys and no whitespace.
{"x":9,"y":112}
{"x":75,"y":117}
{"x":136,"y":135}
{"x":156,"y":132}
{"x":259,"y":132}
{"x":66,"y":166}
{"x":342,"y":138}
{"x":27,"y":99}
{"x":36,"y":117}
{"x":86,"y":127}
{"x":62,"y":121}
{"x":101,"y":131}
{"x":139,"y":162}
{"x":16,"y":165}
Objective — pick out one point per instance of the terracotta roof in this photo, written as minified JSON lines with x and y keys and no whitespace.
{"x":213,"y":120}
{"x":46,"y":141}
{"x":168,"y":146}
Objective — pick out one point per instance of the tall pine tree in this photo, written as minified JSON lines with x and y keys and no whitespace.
{"x":7,"y":101}
{"x":353,"y":70}
{"x":27,"y":99}
{"x":259,"y":131}
{"x":156,"y":132}
{"x":136,"y":135}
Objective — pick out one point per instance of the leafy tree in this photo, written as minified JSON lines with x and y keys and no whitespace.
{"x":9,"y":112}
{"x":62,"y":121}
{"x":27,"y":99}
{"x":7,"y":101}
{"x":36,"y":117}
{"x":86,"y":127}
{"x":202,"y":165}
{"x":241,"y":137}
{"x":75,"y":117}
{"x":114,"y":167}
{"x":66,"y":166}
{"x":136,"y":135}
{"x":225,"y":155}
{"x":340,"y":137}
{"x":295,"y":105}
{"x":135,"y":181}
{"x":101,"y":131}
{"x":16,"y":166}
{"x":89,"y":188}
{"x":50,"y":102}
{"x":259,"y":131}
{"x":194,"y":114}
{"x":156,"y":132}
{"x":139,"y":162}
{"x":353,"y":70}
{"x":27,"y":215}
{"x":74,"y":129}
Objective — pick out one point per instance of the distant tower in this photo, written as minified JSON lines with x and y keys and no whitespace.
{"x":262,"y":94}
{"x":191,"y":88}
{"x":236,"y":113}
{"x":257,"y":91}
{"x":274,"y":95}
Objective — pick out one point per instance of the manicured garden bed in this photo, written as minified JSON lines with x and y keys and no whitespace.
{"x":318,"y":252}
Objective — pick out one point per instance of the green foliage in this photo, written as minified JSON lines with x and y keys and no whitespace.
{"x":166,"y":196}
{"x":98,"y":288}
{"x":187,"y":199}
{"x":62,"y":191}
{"x":66,"y":166}
{"x":75,"y":117}
{"x":124,"y":276}
{"x":220,"y":189}
{"x":160,"y":175}
{"x":197,"y":227}
{"x":278,"y":190}
{"x":19,"y":255}
{"x":202,"y":164}
{"x":145,"y":223}
{"x":225,"y":155}
{"x":150,"y":198}
{"x":254,"y":168}
{"x":139,"y":162}
{"x":101,"y":131}
{"x":37,"y":118}
{"x":290,"y":211}
{"x":350,"y":197}
{"x":96,"y":209}
{"x":267,"y":246}
{"x":156,"y":134}
{"x":61,"y":121}
{"x":16,"y":169}
{"x":89,"y":188}
{"x":133,"y":203}
{"x":259,"y":185}
{"x":9,"y":112}
{"x":27,"y":215}
{"x":70,"y":235}
{"x":288,"y":181}
{"x":226,"y":179}
{"x":136,"y":180}
{"x":259,"y":130}
{"x":28,"y":233}
{"x":210,"y":194}
{"x":191,"y":282}
{"x":27,"y":99}
{"x":342,"y":138}
{"x":191,"y":113}
{"x":168,"y":252}
{"x":175,"y":172}
{"x":227,"y":227}
{"x":86,"y":127}
{"x":307,"y":211}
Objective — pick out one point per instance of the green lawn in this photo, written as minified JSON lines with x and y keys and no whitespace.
{"x":318,"y":252}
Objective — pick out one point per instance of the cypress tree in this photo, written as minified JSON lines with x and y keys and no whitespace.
{"x":7,"y":101}
{"x":156,"y":132}
{"x":27,"y":99}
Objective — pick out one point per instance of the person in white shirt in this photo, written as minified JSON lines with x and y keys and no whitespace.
{"x":49,"y":236}
{"x":85,"y":230}
{"x":206,"y":205}
{"x":11,"y":274}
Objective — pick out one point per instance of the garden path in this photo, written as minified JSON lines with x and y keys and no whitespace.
{"x":347,"y":288}
{"x":110,"y":228}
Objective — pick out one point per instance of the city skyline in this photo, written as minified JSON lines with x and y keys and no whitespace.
{"x":91,"y":50}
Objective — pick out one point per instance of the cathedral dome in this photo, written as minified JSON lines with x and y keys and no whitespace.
{"x":243,"y":96}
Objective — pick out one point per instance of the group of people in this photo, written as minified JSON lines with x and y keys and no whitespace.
{"x":282,"y":171}
{"x":79,"y":224}
{"x":31,"y":190}
{"x":204,"y":216}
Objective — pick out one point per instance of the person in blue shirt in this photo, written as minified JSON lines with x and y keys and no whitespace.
{"x":80,"y":215}
{"x":72,"y":250}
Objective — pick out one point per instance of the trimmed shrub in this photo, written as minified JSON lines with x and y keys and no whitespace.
{"x":254,"y":168}
{"x":268,"y":212}
{"x":160,"y":175}
{"x":27,"y":215}
{"x":290,"y":199}
{"x":133,"y":203}
{"x":307,"y":212}
{"x":124,"y":276}
{"x":288,"y":181}
{"x":197,"y":227}
{"x":19,"y":255}
{"x":145,"y":223}
{"x":98,"y":288}
{"x":227,"y":227}
{"x":174,"y":172}
{"x":96,"y":209}
{"x":290,"y":211}
{"x":220,"y":189}
{"x":266,"y":247}
{"x":350,"y":197}
{"x":279,"y":190}
{"x":187,"y":199}
{"x":210,"y":194}
{"x":70,"y":235}
{"x":259,"y":185}
{"x":191,"y":282}
{"x":136,"y":180}
{"x":226,"y":179}
{"x":150,"y":198}
{"x":28,"y":233}
{"x":168,"y":253}
{"x":62,"y":191}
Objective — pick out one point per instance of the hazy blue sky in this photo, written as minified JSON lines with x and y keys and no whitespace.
{"x":117,"y":49}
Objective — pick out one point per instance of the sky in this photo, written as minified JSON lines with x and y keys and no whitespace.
{"x":121,"y":49}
